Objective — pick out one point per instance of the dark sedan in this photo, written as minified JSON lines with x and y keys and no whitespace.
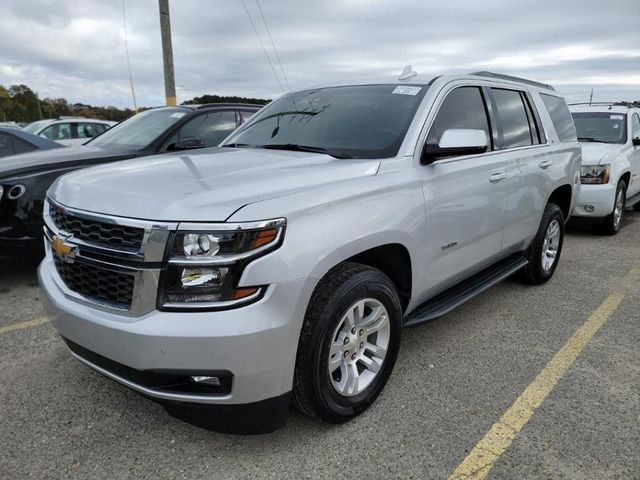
{"x":24,"y":179}
{"x":14,"y":141}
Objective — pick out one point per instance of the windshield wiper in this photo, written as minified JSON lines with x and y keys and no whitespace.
{"x":304,"y":148}
{"x":591,"y":139}
{"x":237,"y":145}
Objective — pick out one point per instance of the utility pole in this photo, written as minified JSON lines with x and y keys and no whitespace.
{"x":167,"y":53}
{"x":591,"y":97}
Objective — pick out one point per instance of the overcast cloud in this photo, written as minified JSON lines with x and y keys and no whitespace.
{"x":76,"y":50}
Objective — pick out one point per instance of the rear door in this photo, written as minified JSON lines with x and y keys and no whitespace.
{"x":464,"y":195}
{"x":520,"y":143}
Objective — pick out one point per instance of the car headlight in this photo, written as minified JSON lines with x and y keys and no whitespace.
{"x":1,"y":191}
{"x":205,"y":264}
{"x":594,"y":174}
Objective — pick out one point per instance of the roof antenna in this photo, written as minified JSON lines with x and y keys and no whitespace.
{"x":407,"y":73}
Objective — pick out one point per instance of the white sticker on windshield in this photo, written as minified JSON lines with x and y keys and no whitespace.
{"x":616,"y":117}
{"x":406,"y":90}
{"x":177,"y":115}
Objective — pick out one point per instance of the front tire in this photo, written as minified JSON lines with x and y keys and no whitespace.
{"x":544,"y":252}
{"x":349,"y":343}
{"x":612,"y":222}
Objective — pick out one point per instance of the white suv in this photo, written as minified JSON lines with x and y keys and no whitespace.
{"x":227,"y":282}
{"x":69,"y":131}
{"x":610,"y":176}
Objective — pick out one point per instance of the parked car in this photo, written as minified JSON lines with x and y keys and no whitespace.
{"x":14,"y":141}
{"x":610,"y":139}
{"x":69,"y":131}
{"x":150,"y":132}
{"x":283,"y":265}
{"x":10,"y":125}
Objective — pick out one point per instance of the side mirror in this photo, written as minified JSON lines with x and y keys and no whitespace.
{"x":188,"y":143}
{"x":636,"y":142}
{"x":456,"y":142}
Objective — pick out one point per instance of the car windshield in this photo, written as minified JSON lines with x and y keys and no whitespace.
{"x":33,"y":127}
{"x":363,"y":121}
{"x":603,"y":127}
{"x":140,"y":130}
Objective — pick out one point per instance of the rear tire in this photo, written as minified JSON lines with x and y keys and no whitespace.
{"x":340,"y":370}
{"x":612,"y":223}
{"x":544,"y":252}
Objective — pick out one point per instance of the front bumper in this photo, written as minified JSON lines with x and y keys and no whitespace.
{"x":600,"y":197}
{"x":257,"y":343}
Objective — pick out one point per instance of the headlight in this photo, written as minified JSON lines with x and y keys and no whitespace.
{"x":594,"y":174}
{"x":205,"y":264}
{"x":1,"y":191}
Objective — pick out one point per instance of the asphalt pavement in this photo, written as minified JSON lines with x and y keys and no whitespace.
{"x":453,"y":381}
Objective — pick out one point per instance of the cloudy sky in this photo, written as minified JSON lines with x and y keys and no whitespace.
{"x":75,"y":49}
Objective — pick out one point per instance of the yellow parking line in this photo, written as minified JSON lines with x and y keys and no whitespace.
{"x":488,"y":450}
{"x":21,"y":325}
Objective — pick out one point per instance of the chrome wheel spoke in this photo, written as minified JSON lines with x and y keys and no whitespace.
{"x":371,"y":364}
{"x":376,"y":350}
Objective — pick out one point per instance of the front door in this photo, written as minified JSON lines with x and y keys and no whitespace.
{"x":465,"y":196}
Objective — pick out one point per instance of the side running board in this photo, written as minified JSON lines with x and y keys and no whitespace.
{"x":633,"y":200}
{"x":464,"y":291}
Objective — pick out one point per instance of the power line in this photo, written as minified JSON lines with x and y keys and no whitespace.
{"x":264,"y":50}
{"x":126,"y":46}
{"x":275,"y":50}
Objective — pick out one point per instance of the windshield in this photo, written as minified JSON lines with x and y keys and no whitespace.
{"x":140,"y":130}
{"x":33,"y":127}
{"x":363,"y":121}
{"x":601,"y":127}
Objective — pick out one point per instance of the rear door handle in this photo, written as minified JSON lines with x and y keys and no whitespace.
{"x":545,"y":164}
{"x":496,"y":177}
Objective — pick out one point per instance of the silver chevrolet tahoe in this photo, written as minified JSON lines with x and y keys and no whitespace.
{"x":282,"y":266}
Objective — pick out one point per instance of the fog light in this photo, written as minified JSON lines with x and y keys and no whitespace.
{"x":200,"y":277}
{"x":16,"y":192}
{"x":589,"y":208}
{"x":205,"y":380}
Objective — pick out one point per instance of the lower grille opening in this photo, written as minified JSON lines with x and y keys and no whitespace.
{"x":97,"y":283}
{"x":169,"y":381}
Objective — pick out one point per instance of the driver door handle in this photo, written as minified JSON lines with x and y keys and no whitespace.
{"x":496,"y":177}
{"x":545,"y":164}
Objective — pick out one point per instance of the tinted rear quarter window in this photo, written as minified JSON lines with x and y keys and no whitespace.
{"x":22,"y":147}
{"x":560,"y":117}
{"x":462,"y":108}
{"x":512,"y":118}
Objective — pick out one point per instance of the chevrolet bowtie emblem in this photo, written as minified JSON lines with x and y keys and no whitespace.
{"x":63,"y":250}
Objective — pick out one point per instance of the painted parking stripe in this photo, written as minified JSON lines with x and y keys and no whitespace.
{"x":488,"y":450}
{"x":22,"y":325}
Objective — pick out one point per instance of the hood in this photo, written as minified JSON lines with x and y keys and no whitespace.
{"x":209,"y":185}
{"x":594,"y":153}
{"x":56,"y":158}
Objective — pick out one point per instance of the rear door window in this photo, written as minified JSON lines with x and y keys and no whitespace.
{"x":57,"y":131}
{"x":512,"y":119}
{"x":462,"y":108}
{"x":560,"y":117}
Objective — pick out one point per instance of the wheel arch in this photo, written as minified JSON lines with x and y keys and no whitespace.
{"x":562,"y":197}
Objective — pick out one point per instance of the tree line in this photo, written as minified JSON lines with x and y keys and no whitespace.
{"x":20,"y":104}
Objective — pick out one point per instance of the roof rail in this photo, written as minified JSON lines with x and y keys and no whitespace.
{"x":513,"y":79}
{"x":612,"y":104}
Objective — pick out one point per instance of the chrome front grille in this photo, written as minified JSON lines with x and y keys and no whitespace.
{"x":100,"y":233}
{"x":98,"y":283}
{"x":110,"y":263}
